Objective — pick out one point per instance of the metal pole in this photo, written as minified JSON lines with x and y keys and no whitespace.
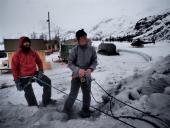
{"x":48,"y":20}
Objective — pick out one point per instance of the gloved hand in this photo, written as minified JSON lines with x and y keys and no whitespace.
{"x":18,"y":84}
{"x":40,"y":74}
{"x":88,"y":72}
{"x":81,"y":72}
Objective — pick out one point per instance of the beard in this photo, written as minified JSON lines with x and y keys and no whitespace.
{"x":25,"y":49}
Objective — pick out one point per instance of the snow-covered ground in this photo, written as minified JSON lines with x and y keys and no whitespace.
{"x":1,"y":46}
{"x":128,"y":74}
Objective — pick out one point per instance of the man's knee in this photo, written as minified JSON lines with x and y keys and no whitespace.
{"x":45,"y":81}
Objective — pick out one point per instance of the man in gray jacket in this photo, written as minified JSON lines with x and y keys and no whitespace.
{"x":82,"y":61}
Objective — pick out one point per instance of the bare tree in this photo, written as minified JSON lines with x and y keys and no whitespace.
{"x":57,"y":31}
{"x":43,"y":36}
{"x":33,"y":35}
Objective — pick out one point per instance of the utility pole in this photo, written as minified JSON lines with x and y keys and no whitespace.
{"x":49,"y":31}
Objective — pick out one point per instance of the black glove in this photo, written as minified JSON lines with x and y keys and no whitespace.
{"x":18,"y":84}
{"x":40,"y":74}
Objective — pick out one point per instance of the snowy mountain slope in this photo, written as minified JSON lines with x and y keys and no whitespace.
{"x":155,"y":27}
{"x":113,"y":27}
{"x":68,"y":35}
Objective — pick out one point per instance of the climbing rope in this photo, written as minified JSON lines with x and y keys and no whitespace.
{"x":118,"y":118}
{"x":145,"y":113}
{"x":82,"y":101}
{"x":99,"y":110}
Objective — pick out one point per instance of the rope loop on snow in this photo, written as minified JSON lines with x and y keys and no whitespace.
{"x":145,"y":113}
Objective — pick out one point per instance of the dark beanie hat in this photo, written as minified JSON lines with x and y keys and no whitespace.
{"x":80,"y":33}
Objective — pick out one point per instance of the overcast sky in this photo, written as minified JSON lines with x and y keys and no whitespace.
{"x":22,"y":17}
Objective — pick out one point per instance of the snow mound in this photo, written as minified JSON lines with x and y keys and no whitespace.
{"x":148,"y":91}
{"x":167,"y":90}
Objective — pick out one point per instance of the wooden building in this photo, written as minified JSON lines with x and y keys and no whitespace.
{"x":52,"y":46}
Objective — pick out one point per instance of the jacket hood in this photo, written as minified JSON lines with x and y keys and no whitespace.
{"x":22,"y":40}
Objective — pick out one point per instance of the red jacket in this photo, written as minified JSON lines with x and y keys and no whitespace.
{"x":24,"y":64}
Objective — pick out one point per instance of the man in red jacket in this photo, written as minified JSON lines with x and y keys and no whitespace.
{"x":24,"y":66}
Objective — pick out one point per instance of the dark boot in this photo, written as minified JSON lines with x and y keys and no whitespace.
{"x":52,"y":101}
{"x":30,"y":97}
{"x":69,"y":114}
{"x":49,"y":102}
{"x":85,"y":113}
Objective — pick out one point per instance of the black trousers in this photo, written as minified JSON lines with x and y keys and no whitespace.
{"x":46,"y":96}
{"x":86,"y":90}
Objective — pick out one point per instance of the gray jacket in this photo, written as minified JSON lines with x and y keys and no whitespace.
{"x":82,"y":58}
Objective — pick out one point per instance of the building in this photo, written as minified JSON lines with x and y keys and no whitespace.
{"x":52,"y":46}
{"x":65,"y":48}
{"x":70,"y":42}
{"x":39,"y":45}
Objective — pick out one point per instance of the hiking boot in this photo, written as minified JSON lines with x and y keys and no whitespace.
{"x":49,"y":102}
{"x":52,"y":102}
{"x":85,"y":113}
{"x":69,"y":114}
